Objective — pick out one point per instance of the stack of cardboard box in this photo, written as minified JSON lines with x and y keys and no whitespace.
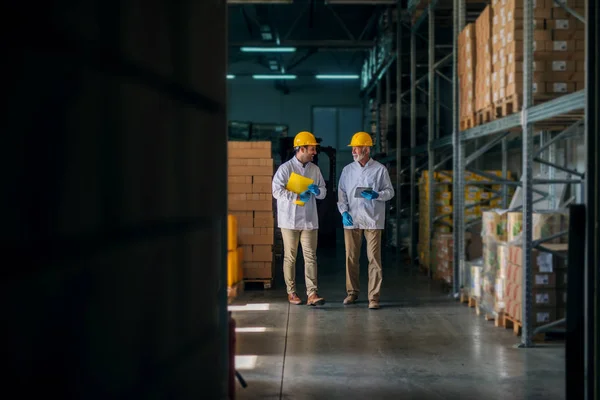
{"x":442,"y":199}
{"x":494,"y":236}
{"x":483,"y":65}
{"x":466,"y":71}
{"x":548,"y":271}
{"x":250,"y":170}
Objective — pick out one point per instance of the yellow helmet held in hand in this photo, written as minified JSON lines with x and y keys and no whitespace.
{"x":305,"y":138}
{"x":361,"y":139}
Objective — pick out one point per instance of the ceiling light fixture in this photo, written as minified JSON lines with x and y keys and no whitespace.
{"x":230,"y":76}
{"x":337,"y":76}
{"x":274,"y":76}
{"x":271,"y":49}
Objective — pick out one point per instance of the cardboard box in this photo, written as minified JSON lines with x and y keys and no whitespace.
{"x":262,"y":253}
{"x":244,"y":218}
{"x":258,"y":270}
{"x":256,"y":236}
{"x":263,"y":219}
{"x":494,"y":224}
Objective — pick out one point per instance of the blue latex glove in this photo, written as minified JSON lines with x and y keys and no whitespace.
{"x":369,"y":194}
{"x":347,"y":219}
{"x":305,"y":196}
{"x":314,"y":189}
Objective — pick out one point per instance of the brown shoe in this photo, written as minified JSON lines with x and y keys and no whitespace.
{"x":350,"y":299}
{"x":374,"y":304}
{"x":294,"y":299}
{"x":315,"y":300}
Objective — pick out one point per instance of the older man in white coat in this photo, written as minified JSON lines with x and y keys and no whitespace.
{"x":300,"y":223}
{"x":363,"y":189}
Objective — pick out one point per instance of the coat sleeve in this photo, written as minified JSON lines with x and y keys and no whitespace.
{"x":278,"y":186}
{"x":387,"y":190}
{"x":342,"y":196}
{"x":320,"y":182}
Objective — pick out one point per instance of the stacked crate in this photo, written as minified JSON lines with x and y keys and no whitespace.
{"x":565,"y":63}
{"x":558,"y":43}
{"x":250,"y":173}
{"x":442,"y":198}
{"x":548,"y":271}
{"x":493,"y":274}
{"x":483,"y":66}
{"x":466,"y":75}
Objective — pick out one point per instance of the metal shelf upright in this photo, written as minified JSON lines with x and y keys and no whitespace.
{"x":525,"y":120}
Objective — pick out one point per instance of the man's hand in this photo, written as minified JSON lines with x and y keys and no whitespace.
{"x":347,"y":219}
{"x":369,"y":194}
{"x":304,"y":196}
{"x":314,"y":189}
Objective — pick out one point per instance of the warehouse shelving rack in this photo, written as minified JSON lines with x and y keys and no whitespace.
{"x":494,"y":133}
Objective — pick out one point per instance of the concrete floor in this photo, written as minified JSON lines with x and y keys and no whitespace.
{"x":420,"y":345}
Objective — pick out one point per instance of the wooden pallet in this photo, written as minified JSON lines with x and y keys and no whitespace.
{"x":485,"y":115}
{"x":507,"y":106}
{"x":517,"y":326}
{"x":235,"y":291}
{"x":267,"y":282}
{"x":467,"y":122}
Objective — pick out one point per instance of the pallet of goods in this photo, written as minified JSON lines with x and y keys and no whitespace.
{"x":502,"y":283}
{"x":250,"y":174}
{"x":466,"y":76}
{"x":483,"y":67}
{"x":558,"y":56}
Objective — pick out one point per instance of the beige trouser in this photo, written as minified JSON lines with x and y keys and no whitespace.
{"x":353,"y":240}
{"x":308,"y":240}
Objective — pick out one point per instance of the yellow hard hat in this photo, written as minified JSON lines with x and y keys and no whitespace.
{"x":361,"y":139}
{"x":305,"y":138}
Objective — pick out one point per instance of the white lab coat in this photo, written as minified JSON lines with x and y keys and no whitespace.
{"x":290,"y":215}
{"x":366,"y":214}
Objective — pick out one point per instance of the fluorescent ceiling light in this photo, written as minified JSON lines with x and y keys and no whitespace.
{"x":251,"y":329}
{"x":230,"y":76}
{"x":271,"y":49}
{"x":337,"y":76}
{"x":245,"y":362}
{"x":274,"y":76}
{"x":250,"y":307}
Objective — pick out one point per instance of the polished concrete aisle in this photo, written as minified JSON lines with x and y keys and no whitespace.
{"x":420,"y":345}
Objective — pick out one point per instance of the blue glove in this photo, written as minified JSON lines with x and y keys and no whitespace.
{"x":305,"y":196}
{"x":347,"y":219}
{"x":314,"y":189}
{"x":369,"y":194}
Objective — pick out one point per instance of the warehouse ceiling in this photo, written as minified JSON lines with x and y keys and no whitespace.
{"x":329,"y":38}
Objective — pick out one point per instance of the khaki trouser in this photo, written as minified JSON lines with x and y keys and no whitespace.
{"x":353,"y":240}
{"x":308,"y":240}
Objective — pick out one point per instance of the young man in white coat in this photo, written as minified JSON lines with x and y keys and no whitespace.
{"x":300,"y":223}
{"x":364,"y":188}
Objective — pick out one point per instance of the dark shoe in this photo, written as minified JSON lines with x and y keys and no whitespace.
{"x":315,"y":300}
{"x":294,"y":299}
{"x":374,"y":304}
{"x":350,"y":299}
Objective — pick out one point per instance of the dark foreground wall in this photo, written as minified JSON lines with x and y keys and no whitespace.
{"x":113,"y":199}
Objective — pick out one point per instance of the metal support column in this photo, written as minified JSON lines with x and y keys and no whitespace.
{"x":431,"y":137}
{"x":505,"y":199}
{"x":398,"y":129}
{"x":413,"y":143}
{"x":527,"y":153}
{"x":554,"y":201}
{"x":592,"y":282}
{"x":378,"y":135}
{"x":388,"y":100}
{"x":458,"y":189}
